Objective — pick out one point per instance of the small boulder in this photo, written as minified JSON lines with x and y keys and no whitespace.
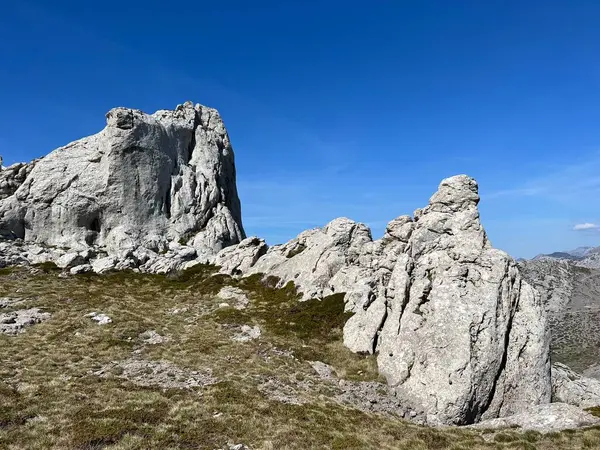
{"x":83,"y":268}
{"x":101,"y":319}
{"x":103,"y":265}
{"x":71,"y":259}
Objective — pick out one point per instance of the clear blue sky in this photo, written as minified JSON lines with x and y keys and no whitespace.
{"x":337,"y":108}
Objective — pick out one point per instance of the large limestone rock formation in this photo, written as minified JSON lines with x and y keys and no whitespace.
{"x":459,"y":334}
{"x":143,"y":181}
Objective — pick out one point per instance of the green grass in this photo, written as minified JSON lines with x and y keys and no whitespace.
{"x":50,"y":397}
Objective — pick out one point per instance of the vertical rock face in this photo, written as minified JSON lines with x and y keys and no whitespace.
{"x":459,"y":334}
{"x":143,"y":181}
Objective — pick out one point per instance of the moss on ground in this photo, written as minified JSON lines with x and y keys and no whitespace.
{"x":51,"y":395}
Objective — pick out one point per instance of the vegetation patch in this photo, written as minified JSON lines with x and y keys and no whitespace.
{"x":51,"y":395}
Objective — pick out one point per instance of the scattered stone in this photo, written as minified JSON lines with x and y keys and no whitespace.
{"x":247,"y":334}
{"x":368,"y":396}
{"x":157,"y":373}
{"x":15,"y":322}
{"x":276,"y":390}
{"x":324,"y":371}
{"x":545,"y":418}
{"x":101,"y":319}
{"x":8,"y":302}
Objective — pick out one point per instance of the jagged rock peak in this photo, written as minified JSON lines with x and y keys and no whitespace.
{"x":459,"y":335}
{"x":145,"y":180}
{"x":456,"y":192}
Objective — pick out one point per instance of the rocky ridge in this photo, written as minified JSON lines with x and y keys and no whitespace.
{"x":459,"y":335}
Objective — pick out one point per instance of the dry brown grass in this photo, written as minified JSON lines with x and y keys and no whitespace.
{"x":50,"y":397}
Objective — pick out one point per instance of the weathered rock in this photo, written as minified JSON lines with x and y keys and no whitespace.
{"x":574,"y":389}
{"x":464,"y":337}
{"x":156,"y":373}
{"x":143,"y":181}
{"x":83,"y":268}
{"x":238,"y":259}
{"x":151,"y":337}
{"x":460,"y":335}
{"x":315,"y":256}
{"x":544,"y":418}
{"x":71,"y":259}
{"x":103,"y":265}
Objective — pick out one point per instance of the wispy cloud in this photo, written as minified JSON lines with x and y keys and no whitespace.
{"x":574,"y":182}
{"x":586,"y":226}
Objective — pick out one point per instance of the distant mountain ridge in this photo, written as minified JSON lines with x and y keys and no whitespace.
{"x":581,"y":256}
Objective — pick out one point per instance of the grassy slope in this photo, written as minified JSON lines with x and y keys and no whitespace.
{"x":50,"y":398}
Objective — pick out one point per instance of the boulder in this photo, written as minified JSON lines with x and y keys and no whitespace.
{"x":70,"y":260}
{"x":103,"y":265}
{"x":143,"y":181}
{"x":238,"y":259}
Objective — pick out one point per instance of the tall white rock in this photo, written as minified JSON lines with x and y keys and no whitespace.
{"x":143,"y":181}
{"x":465,"y":338}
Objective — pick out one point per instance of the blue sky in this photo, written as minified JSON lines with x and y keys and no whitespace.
{"x":337,"y":108}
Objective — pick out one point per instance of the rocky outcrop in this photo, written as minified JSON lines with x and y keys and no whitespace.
{"x":459,"y":334}
{"x":573,"y":388}
{"x":145,"y":181}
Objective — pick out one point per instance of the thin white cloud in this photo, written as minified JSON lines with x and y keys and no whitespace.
{"x":565,"y":183}
{"x":586,"y":226}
